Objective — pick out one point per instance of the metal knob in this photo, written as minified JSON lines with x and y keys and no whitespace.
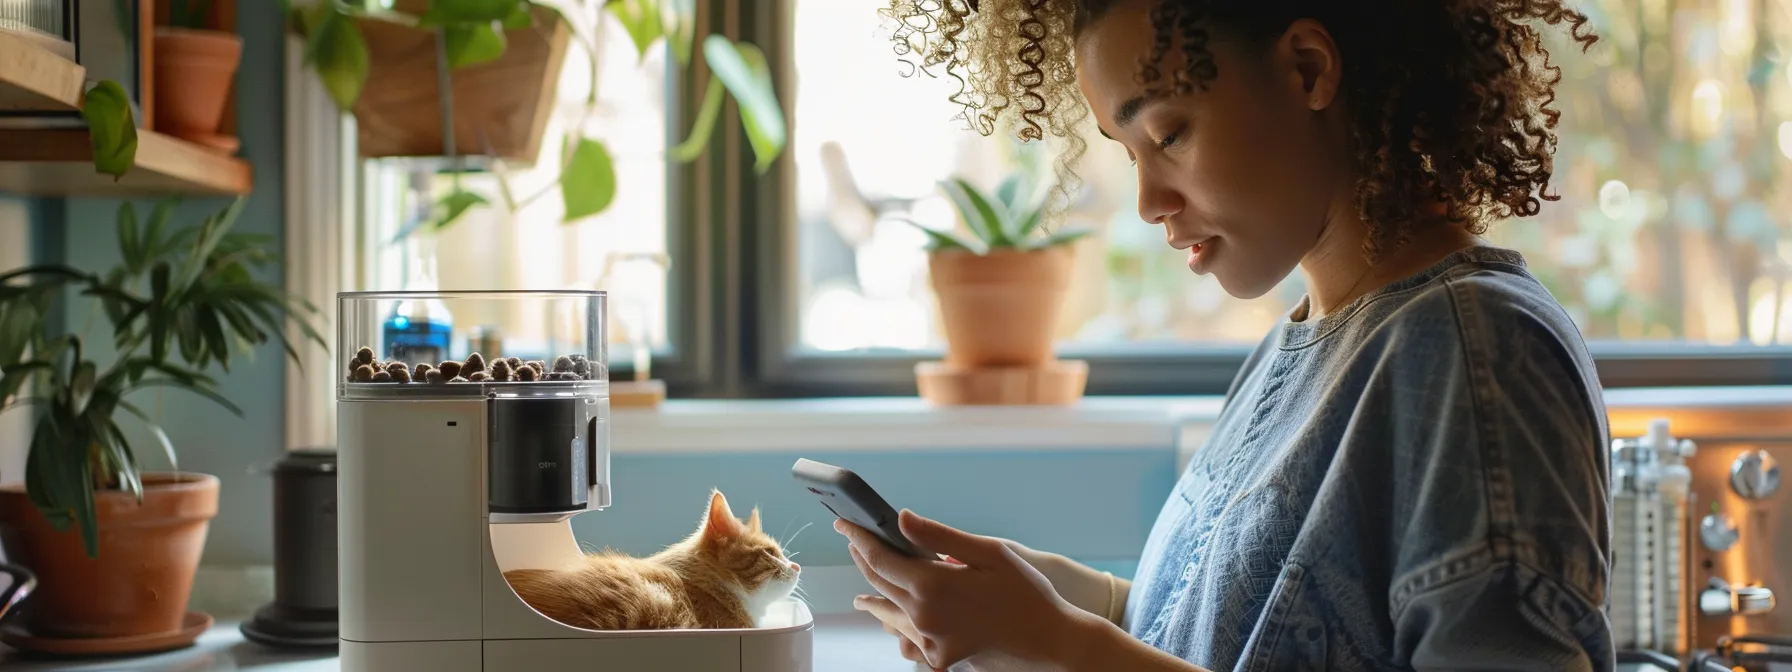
{"x":1755,"y":474}
{"x":1723,"y":599}
{"x":1718,"y":532}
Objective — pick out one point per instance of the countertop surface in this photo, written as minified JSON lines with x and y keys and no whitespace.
{"x":842,"y":643}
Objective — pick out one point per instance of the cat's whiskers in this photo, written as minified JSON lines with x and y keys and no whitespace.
{"x":799,"y":532}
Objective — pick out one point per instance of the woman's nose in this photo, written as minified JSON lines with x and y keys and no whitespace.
{"x":1157,"y":204}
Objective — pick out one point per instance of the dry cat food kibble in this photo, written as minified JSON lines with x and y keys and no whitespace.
{"x":365,"y":368}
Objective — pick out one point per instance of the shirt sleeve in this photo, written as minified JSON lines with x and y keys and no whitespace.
{"x":1502,"y":561}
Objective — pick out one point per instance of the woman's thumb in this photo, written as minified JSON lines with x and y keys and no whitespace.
{"x":939,"y":538}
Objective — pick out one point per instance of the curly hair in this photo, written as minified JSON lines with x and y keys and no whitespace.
{"x":1449,"y":101}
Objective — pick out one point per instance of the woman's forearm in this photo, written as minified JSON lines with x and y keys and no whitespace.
{"x":1096,"y":592}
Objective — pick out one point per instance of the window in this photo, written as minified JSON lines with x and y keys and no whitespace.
{"x":1668,"y":241}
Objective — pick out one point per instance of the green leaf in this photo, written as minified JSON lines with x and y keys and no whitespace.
{"x":80,"y":386}
{"x":213,"y":330}
{"x":80,"y":491}
{"x":1027,"y":223}
{"x":455,"y":204}
{"x":126,"y":467}
{"x":470,"y":44}
{"x":19,"y":326}
{"x":158,"y":312}
{"x":111,"y":128}
{"x":1009,"y":192}
{"x":192,"y":342}
{"x":14,"y":377}
{"x":154,"y":246}
{"x":743,"y":69}
{"x":130,"y":242}
{"x":446,"y":210}
{"x":1065,"y":236}
{"x":203,"y":390}
{"x":520,"y":17}
{"x":211,"y":233}
{"x":337,"y":50}
{"x":46,"y":481}
{"x":161,"y":436}
{"x":692,"y":147}
{"x":977,"y":212}
{"x":938,"y":240}
{"x":641,"y":19}
{"x":449,"y":12}
{"x":588,"y":186}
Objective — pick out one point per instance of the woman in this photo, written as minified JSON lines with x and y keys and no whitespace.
{"x":1410,"y":471}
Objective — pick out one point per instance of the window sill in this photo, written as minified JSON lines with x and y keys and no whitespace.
{"x":885,"y":423}
{"x":909,"y":423}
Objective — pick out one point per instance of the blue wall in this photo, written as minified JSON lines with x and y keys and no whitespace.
{"x":209,"y":439}
{"x":1093,"y":505}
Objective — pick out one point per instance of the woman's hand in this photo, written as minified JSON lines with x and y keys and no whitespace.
{"x":987,"y":602}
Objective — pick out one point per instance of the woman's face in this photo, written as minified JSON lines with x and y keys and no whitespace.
{"x":1244,"y":174}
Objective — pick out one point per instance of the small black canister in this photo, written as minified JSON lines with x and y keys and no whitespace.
{"x":303,"y":613}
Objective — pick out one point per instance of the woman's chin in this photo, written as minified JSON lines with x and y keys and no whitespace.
{"x":1243,"y":287}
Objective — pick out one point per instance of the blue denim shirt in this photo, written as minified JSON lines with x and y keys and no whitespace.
{"x":1417,"y":481}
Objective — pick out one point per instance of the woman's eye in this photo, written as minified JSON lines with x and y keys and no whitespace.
{"x":1168,"y":140}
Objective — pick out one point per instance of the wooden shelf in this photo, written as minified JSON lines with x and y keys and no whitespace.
{"x":59,"y":161}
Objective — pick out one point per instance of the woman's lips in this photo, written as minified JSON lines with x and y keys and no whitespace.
{"x":1200,"y":255}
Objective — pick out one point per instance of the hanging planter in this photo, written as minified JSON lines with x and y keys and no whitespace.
{"x":489,"y":72}
{"x":500,"y":107}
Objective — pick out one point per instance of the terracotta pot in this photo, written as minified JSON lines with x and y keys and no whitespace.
{"x":1000,"y":308}
{"x":194,"y":70}
{"x":140,"y":581}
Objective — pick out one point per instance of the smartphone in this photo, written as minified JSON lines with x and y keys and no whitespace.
{"x":852,"y":499}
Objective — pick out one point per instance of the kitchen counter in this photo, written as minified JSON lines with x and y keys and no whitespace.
{"x":842,"y":643}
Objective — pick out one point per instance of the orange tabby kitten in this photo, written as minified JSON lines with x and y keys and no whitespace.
{"x":724,"y":576}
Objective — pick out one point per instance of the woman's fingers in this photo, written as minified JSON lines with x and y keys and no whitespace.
{"x":882,"y":585}
{"x":894,"y":620}
{"x":878,"y":557}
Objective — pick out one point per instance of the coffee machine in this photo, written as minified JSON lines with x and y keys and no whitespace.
{"x":453,"y":472}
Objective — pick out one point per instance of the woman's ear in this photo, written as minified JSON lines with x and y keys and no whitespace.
{"x":1317,"y":66}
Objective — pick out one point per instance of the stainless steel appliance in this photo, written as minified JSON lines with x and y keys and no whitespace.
{"x":1650,"y":487}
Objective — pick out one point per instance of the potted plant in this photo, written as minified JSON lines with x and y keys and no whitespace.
{"x":194,"y":69}
{"x":1000,"y":291}
{"x":115,"y":549}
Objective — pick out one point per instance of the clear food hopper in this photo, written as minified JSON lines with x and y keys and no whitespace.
{"x":456,"y":468}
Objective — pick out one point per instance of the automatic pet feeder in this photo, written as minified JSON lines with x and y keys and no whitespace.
{"x":444,"y":486}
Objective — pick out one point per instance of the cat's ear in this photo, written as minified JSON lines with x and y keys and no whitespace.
{"x":753,"y":521}
{"x":720,"y":524}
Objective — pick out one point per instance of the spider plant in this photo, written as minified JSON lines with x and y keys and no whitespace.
{"x":178,"y":302}
{"x":1010,"y":218}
